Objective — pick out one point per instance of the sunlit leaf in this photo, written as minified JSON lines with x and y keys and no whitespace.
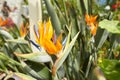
{"x":111,"y":69}
{"x":36,"y":57}
{"x":5,"y":34}
{"x":111,"y":26}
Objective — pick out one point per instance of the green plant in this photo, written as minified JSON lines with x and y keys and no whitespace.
{"x":87,"y":48}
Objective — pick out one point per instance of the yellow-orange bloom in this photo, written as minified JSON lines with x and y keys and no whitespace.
{"x":91,"y":22}
{"x":44,"y":38}
{"x":23,"y":29}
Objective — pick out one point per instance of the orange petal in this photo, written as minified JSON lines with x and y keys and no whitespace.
{"x":23,"y":30}
{"x":94,"y":31}
{"x":4,"y":23}
{"x":41,"y":32}
{"x":50,"y":47}
{"x":60,"y":37}
{"x":58,"y":43}
{"x":90,"y":19}
{"x":1,"y":20}
{"x":49,"y":30}
{"x":93,"y":19}
{"x":58,"y":46}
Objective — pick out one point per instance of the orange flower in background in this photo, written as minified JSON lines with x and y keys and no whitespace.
{"x":23,"y":29}
{"x":7,"y":22}
{"x":91,"y":22}
{"x":44,"y":38}
{"x":3,"y":23}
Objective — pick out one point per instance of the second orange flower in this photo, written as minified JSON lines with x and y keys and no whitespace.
{"x":91,"y":22}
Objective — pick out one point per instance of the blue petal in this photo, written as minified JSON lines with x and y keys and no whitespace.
{"x":36,"y":31}
{"x":36,"y":45}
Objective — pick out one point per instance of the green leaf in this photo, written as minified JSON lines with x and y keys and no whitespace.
{"x":5,"y":34}
{"x":41,"y":69}
{"x":100,"y":37}
{"x":63,"y":55}
{"x":86,"y":5}
{"x":74,"y":26}
{"x":83,"y":7}
{"x":113,"y":44}
{"x":6,"y":62}
{"x":53,"y":15}
{"x":7,"y":59}
{"x":19,"y":76}
{"x":111,"y":26}
{"x":111,"y":69}
{"x":36,"y":57}
{"x":38,"y":71}
{"x":20,"y":41}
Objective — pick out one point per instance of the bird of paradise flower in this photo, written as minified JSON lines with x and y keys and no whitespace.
{"x":46,"y":38}
{"x":24,"y":29}
{"x":91,"y":22}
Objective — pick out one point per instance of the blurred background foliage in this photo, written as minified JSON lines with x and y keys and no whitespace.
{"x":84,"y":57}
